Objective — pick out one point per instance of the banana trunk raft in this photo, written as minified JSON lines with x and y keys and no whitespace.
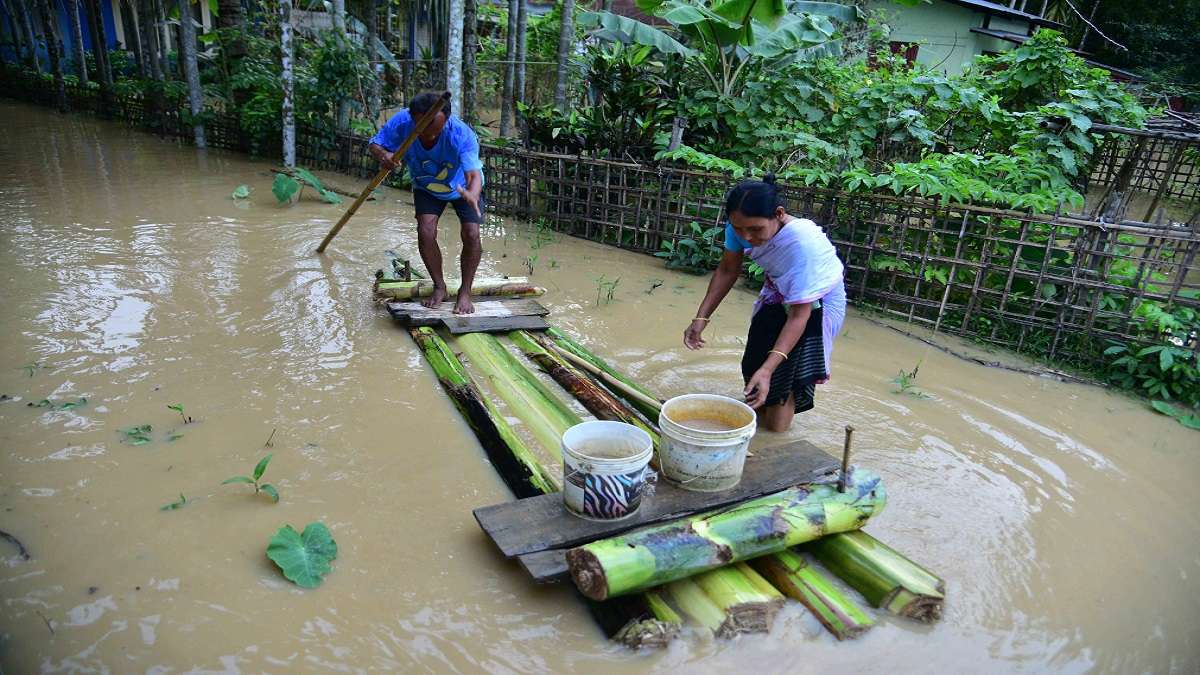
{"x":657,"y":555}
{"x":685,"y":571}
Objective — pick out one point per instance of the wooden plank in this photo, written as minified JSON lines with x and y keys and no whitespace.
{"x":416,"y":314}
{"x":546,"y":567}
{"x":542,"y":523}
{"x":497,"y":324}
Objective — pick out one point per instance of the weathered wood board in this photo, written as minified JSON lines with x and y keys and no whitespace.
{"x":498,"y":324}
{"x":542,"y":523}
{"x":491,"y":315}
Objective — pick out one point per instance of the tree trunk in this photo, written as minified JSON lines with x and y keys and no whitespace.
{"x":598,"y":400}
{"x":285,"y":49}
{"x":77,"y":38}
{"x":52,"y":50}
{"x":510,"y":287}
{"x":656,"y":555}
{"x":510,"y":69}
{"x":150,"y":39}
{"x":339,"y":28}
{"x":516,"y":463}
{"x":454,"y":49}
{"x":136,"y":40}
{"x":27,"y":10}
{"x":566,"y":45}
{"x":519,"y":77}
{"x":230,"y":15}
{"x":164,"y":38}
{"x":544,"y":415}
{"x":792,"y":574}
{"x":884,"y":577}
{"x":191,"y":69}
{"x":371,"y":18}
{"x":100,"y":54}
{"x":470,"y":68}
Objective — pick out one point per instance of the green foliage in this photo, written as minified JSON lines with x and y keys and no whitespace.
{"x":138,"y":435}
{"x":698,"y":253}
{"x":630,"y":101}
{"x":905,"y":382}
{"x":178,"y":407}
{"x":606,"y":289}
{"x":303,"y":557}
{"x":1012,"y":131}
{"x":1188,"y":419}
{"x":288,"y":190}
{"x":259,"y":470}
{"x":175,"y":505}
{"x":65,"y":405}
{"x":241,"y":192}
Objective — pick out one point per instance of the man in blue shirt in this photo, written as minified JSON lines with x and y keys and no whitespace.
{"x":445,"y":168}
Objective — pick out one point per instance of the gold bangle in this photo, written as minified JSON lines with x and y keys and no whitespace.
{"x":776,"y":351}
{"x":705,"y":319}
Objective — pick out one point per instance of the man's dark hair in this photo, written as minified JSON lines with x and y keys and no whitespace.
{"x":421,"y":103}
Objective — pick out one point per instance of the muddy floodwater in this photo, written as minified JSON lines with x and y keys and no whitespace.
{"x":1064,"y":518}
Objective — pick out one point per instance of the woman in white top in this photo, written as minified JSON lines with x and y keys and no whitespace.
{"x":799,"y":311}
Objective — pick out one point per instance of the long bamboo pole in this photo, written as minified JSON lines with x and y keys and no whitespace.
{"x":422,"y":122}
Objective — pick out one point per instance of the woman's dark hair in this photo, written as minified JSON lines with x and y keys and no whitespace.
{"x":424,"y":101}
{"x":754,"y":198}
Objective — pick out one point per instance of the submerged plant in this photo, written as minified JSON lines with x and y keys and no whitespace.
{"x":905,"y":383}
{"x":654,"y":283}
{"x":606,"y":288}
{"x":530,"y":262}
{"x":303,"y":557}
{"x":65,"y":405}
{"x":32,"y":367}
{"x":175,"y":505}
{"x":241,"y":192}
{"x":178,"y":407}
{"x":259,"y":470}
{"x":139,"y":435}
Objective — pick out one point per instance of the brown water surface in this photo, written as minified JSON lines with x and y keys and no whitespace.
{"x":1062,"y":517}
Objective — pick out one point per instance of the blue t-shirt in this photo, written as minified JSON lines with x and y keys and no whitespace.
{"x":439,"y":170}
{"x":733,"y":242}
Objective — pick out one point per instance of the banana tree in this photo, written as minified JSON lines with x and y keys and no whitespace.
{"x":722,"y":37}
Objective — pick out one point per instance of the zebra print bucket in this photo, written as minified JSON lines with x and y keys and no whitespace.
{"x":605,"y":469}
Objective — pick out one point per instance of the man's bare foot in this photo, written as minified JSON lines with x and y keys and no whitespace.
{"x":439,"y":294}
{"x":463,"y":305}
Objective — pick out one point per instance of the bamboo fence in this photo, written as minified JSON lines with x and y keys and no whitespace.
{"x":1059,"y":286}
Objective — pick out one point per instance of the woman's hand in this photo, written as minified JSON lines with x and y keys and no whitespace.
{"x":691,"y":336}
{"x":757,"y":388}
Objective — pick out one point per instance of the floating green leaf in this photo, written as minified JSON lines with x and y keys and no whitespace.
{"x":139,"y":435}
{"x":331,"y":197}
{"x":303,"y":557}
{"x":238,"y":479}
{"x":284,"y":188}
{"x":175,"y":504}
{"x":241,"y":192}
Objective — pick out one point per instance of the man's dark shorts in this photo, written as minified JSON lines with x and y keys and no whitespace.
{"x":427,"y":204}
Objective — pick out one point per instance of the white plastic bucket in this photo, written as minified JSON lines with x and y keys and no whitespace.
{"x":605,"y":469}
{"x":704,"y":441}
